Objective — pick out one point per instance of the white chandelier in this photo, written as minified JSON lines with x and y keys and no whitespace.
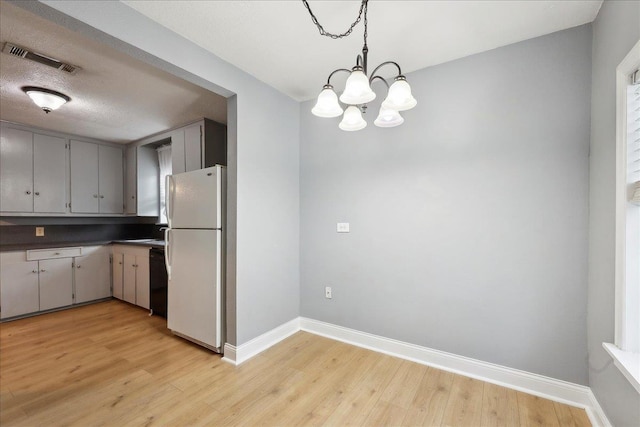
{"x":357,"y":92}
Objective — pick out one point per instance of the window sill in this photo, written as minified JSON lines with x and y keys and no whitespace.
{"x":627,"y":362}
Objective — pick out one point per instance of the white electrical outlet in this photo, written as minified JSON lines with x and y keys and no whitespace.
{"x":327,"y":292}
{"x":342,"y":227}
{"x":39,"y":231}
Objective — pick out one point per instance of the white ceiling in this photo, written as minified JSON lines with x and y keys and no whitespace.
{"x":113,"y":98}
{"x":120,"y":99}
{"x":276,"y":41}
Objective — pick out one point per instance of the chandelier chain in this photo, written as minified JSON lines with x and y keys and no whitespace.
{"x":363,"y":9}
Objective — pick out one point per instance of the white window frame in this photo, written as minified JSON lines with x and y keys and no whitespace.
{"x":624,"y":352}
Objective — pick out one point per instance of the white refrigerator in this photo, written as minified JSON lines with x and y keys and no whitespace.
{"x":195,"y":204}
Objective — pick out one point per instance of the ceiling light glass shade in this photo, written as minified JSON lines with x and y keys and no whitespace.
{"x":46,"y":99}
{"x":352,"y":119}
{"x":399,"y":97}
{"x":388,"y":118}
{"x":357,"y":90}
{"x":327,"y":104}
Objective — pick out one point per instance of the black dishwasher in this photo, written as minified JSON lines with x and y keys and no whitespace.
{"x":157,"y":282}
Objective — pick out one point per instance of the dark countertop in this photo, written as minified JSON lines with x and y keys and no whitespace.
{"x":28,"y":246}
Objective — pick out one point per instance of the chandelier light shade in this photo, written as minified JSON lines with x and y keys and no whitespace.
{"x":352,"y":119}
{"x":327,"y":105}
{"x":388,"y":118}
{"x":46,"y":99}
{"x":357,"y":89}
{"x":357,"y":92}
{"x":399,"y":96}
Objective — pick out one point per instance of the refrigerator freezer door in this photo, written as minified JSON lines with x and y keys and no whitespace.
{"x":194,"y":298}
{"x":194,"y":199}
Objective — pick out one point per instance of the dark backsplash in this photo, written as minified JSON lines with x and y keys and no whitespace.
{"x":26,"y":234}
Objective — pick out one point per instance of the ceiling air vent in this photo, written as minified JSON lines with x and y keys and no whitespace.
{"x":13,"y":50}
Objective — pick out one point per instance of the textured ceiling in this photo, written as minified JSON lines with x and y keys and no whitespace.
{"x":276,"y":42}
{"x":113,"y":98}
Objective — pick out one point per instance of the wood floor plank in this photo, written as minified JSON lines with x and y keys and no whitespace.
{"x":111,"y":364}
{"x":464,"y":407}
{"x":536,"y":411}
{"x":499,"y":406}
{"x":430,"y":401}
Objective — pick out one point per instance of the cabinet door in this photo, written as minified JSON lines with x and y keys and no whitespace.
{"x":118,"y":275}
{"x":16,"y":170}
{"x":111,"y":182}
{"x":84,"y":177}
{"x":18,"y":287}
{"x":92,"y":276}
{"x":193,"y":147}
{"x":142,"y":281}
{"x":56,"y":283}
{"x":129,"y":282}
{"x":131,"y":181}
{"x":49,"y":174}
{"x":177,"y":151}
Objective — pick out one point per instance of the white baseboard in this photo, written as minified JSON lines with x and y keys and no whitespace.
{"x":538,"y":385}
{"x":595,"y":412}
{"x":239,"y":354}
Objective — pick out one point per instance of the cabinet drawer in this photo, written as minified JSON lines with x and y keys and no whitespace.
{"x":37,"y":254}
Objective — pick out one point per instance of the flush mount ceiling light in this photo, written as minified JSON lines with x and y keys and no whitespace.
{"x":357,"y":92}
{"x":46,"y":99}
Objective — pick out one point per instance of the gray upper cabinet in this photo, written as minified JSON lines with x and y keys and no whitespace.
{"x":49,"y":174}
{"x":199,"y":145}
{"x":84,"y":177}
{"x":111,"y":179}
{"x":16,"y":170}
{"x":97,"y":182}
{"x":193,"y":147}
{"x":33,"y":175}
{"x":131,"y":180}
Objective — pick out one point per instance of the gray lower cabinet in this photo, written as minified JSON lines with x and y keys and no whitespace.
{"x":40,"y":280}
{"x":56,"y":283}
{"x":131,"y":274}
{"x":92,"y":276}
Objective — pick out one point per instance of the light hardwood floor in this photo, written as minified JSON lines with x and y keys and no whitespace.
{"x":110,"y":364}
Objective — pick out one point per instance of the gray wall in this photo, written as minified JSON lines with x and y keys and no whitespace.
{"x":468,"y":222}
{"x":263,"y":164}
{"x":615,"y":32}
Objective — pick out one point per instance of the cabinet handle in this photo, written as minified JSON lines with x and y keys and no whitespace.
{"x":95,"y":196}
{"x":133,"y":197}
{"x":101,"y":196}
{"x":78,"y":266}
{"x":56,"y":253}
{"x":28,"y":192}
{"x":43,"y":270}
{"x":37,"y":193}
{"x":120,"y":262}
{"x":34,"y":271}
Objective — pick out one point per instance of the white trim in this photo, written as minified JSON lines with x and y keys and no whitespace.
{"x":239,"y":354}
{"x":229,"y":354}
{"x":595,"y":413}
{"x":627,"y":362}
{"x":538,"y":385}
{"x":628,"y":64}
{"x":549,"y":388}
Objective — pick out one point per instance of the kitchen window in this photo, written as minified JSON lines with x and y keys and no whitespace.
{"x":164,"y":162}
{"x":626,"y":349}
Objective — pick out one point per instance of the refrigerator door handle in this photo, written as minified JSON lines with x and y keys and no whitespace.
{"x":169,"y":197}
{"x":167,"y":252}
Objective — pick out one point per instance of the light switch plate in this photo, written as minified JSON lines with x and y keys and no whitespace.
{"x":342,"y":227}
{"x":39,"y":231}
